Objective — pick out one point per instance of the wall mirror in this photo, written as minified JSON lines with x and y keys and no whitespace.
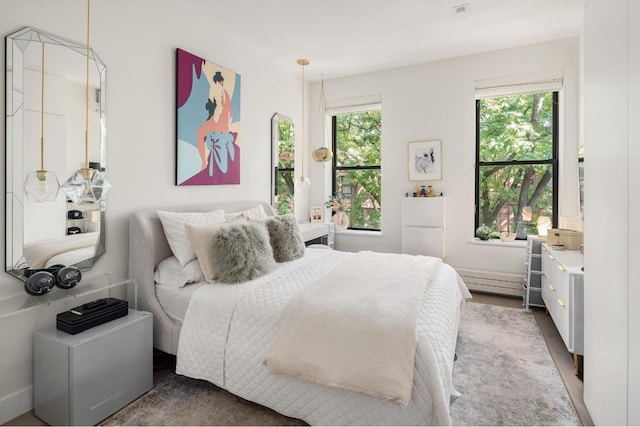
{"x":283,"y":141}
{"x":41,"y":234}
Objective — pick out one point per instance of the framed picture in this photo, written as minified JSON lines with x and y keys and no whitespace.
{"x":317,"y":214}
{"x":207,"y":122}
{"x":425,"y":160}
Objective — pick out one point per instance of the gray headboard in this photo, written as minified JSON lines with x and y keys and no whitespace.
{"x":147,"y":247}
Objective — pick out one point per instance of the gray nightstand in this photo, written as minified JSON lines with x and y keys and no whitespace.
{"x":82,"y":379}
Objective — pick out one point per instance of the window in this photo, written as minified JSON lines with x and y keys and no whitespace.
{"x":356,"y":142}
{"x":284,"y":173}
{"x":517,"y":162}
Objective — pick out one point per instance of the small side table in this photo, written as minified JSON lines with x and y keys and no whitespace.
{"x":84,"y":378}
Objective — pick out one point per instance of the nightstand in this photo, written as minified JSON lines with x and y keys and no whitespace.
{"x":81,"y":379}
{"x":317,"y":232}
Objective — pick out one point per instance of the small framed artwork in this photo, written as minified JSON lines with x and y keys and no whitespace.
{"x":317,"y":214}
{"x":425,"y":160}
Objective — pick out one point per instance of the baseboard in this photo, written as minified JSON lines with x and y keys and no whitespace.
{"x":16,"y":404}
{"x":492,"y":282}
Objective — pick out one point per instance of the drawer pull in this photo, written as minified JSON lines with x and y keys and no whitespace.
{"x":551,"y":287}
{"x":551,"y":256}
{"x":561,"y":267}
{"x":560,"y":302}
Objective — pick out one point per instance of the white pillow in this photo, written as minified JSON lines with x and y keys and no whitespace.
{"x":255,"y":213}
{"x":170,"y":273}
{"x":174,"y":229}
{"x":201,"y":237}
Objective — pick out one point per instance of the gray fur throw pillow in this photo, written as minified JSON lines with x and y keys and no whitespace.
{"x":241,"y":252}
{"x":286,"y":240}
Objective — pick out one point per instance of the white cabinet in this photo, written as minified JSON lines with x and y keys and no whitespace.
{"x":423,"y":226}
{"x":563,"y":294}
{"x":81,"y":379}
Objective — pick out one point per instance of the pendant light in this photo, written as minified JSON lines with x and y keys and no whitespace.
{"x":322,"y":153}
{"x":303,"y":184}
{"x":41,"y":185}
{"x":86,"y":185}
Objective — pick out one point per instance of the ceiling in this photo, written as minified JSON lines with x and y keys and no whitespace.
{"x":346,"y":37}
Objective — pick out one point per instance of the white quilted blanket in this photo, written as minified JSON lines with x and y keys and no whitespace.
{"x":228,"y":328}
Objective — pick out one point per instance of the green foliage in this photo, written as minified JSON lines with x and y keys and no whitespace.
{"x":358,"y":145}
{"x":285,"y":176}
{"x":515,"y":128}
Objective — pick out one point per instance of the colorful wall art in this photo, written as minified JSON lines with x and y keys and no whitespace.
{"x":208,"y":122}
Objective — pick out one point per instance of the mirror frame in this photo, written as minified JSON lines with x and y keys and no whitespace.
{"x":275,"y":142}
{"x":16,"y":42}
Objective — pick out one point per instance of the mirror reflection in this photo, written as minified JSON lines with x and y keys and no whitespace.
{"x":282,"y":163}
{"x":46,"y":110}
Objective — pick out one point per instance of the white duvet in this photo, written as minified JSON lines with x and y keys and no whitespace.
{"x":228,"y":329}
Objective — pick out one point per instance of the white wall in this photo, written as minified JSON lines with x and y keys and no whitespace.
{"x":138,"y":46}
{"x":437,"y":101}
{"x":611,"y":130}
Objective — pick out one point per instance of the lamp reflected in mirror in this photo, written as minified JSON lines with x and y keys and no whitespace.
{"x":41,"y":185}
{"x":86,"y":185}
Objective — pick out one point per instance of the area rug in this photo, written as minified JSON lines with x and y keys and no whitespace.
{"x":503,"y":371}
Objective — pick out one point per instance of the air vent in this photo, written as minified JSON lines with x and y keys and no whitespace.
{"x":461,"y":8}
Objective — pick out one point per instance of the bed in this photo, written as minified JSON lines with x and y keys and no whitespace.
{"x":228,"y":331}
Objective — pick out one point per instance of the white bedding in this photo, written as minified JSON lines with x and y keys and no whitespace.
{"x":228,"y":328}
{"x":176,"y":300}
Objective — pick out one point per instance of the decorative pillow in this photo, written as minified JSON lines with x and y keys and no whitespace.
{"x":170,"y":273}
{"x":240,"y":252}
{"x":174,"y":223}
{"x":286,"y":241}
{"x":255,"y":213}
{"x":201,"y":237}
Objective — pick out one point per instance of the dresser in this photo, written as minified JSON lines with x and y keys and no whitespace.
{"x":423,"y":226}
{"x":563,"y":295}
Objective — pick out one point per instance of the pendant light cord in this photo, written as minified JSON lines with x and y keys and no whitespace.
{"x":86,"y":115}
{"x":41,"y":107}
{"x":303,"y":63}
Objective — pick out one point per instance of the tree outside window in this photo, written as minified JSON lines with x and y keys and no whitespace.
{"x":517,"y":162}
{"x":356,"y":165}
{"x":284,"y":201}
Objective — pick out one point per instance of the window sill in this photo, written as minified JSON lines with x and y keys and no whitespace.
{"x":498,"y":242}
{"x":360,"y":233}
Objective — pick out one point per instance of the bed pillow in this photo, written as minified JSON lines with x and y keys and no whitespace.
{"x":239,"y":252}
{"x":201,"y":237}
{"x":255,"y":213}
{"x":174,"y":229}
{"x":285,"y":238}
{"x":170,"y":273}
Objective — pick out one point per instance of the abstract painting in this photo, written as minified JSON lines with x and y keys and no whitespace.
{"x":207,"y":122}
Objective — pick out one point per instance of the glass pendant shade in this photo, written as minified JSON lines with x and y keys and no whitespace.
{"x":86,"y":186}
{"x":303,"y":185}
{"x":41,"y":186}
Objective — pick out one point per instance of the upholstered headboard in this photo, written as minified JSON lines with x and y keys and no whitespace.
{"x":147,"y":247}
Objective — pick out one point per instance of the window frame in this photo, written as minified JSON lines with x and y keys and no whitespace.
{"x":334,"y":160}
{"x":553,"y":161}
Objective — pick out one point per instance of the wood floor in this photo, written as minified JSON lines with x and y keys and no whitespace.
{"x":163,"y":364}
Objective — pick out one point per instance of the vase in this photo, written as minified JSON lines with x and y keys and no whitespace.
{"x":340,"y":221}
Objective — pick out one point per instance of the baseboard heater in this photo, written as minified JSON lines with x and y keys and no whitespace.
{"x":492,"y":281}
